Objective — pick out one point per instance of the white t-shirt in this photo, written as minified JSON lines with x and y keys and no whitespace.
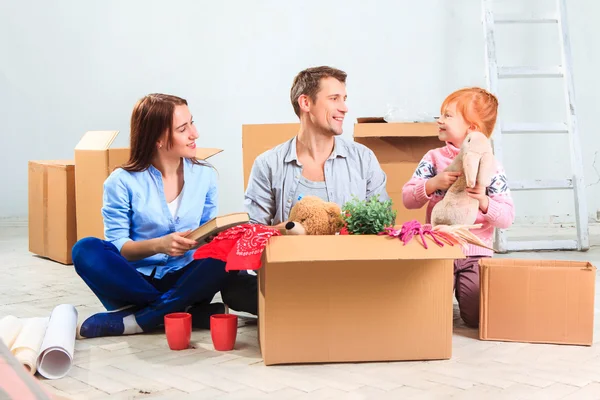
{"x":174,"y":205}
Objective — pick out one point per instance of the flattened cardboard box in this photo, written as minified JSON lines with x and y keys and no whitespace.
{"x":398,"y":146}
{"x":94,"y":162}
{"x":537,"y":301}
{"x":51,"y":221}
{"x":350,"y":298}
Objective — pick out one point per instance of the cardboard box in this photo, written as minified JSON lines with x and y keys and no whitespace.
{"x":94,"y":161}
{"x":258,"y":138}
{"x":537,"y":301}
{"x":52,"y":225}
{"x":350,"y":298}
{"x":399,"y":146}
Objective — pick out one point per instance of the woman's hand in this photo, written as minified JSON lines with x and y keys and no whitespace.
{"x":479,"y":193}
{"x":175,"y":244}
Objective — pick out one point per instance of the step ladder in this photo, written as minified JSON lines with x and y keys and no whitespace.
{"x":494,"y":73}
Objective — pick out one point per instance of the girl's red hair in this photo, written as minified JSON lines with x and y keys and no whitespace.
{"x":477,"y":106}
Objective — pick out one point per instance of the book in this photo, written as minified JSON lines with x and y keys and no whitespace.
{"x":216,"y":225}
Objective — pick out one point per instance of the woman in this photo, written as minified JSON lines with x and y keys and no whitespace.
{"x":144,"y":269}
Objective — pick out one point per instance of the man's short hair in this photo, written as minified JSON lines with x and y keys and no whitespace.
{"x":308,"y":81}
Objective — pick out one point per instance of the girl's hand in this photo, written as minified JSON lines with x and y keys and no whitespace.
{"x":478,"y":193}
{"x":441,"y":181}
{"x":175,"y":244}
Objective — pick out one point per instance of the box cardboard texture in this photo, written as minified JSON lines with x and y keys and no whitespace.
{"x":94,"y":162}
{"x":537,"y":301}
{"x":52,"y":224}
{"x":399,"y":147}
{"x":350,"y":298}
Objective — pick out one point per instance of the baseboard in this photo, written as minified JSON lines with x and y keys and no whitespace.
{"x":13,"y":222}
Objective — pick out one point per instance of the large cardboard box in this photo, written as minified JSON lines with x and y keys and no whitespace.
{"x":537,"y":301}
{"x":350,"y":298}
{"x":94,"y":161}
{"x":52,"y":225}
{"x":399,"y":146}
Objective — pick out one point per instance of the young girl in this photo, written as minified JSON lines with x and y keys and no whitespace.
{"x":144,"y":268}
{"x":464,"y":111}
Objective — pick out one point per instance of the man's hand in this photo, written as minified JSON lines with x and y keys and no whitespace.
{"x":441,"y":181}
{"x":478,"y":193}
{"x":175,"y":244}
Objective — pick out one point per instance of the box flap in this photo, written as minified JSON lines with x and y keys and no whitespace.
{"x":354,"y":247}
{"x":205,"y":153}
{"x":378,"y":127}
{"x":527,"y":263}
{"x":96,"y":140}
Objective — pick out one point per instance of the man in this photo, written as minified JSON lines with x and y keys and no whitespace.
{"x":317,"y":161}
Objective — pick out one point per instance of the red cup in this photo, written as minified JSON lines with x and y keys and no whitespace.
{"x":178,"y":327}
{"x":223,"y":330}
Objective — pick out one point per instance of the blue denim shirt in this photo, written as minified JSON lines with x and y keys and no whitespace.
{"x":352,"y":169}
{"x":135,"y":208}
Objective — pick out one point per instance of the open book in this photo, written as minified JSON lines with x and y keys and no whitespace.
{"x":217,"y":225}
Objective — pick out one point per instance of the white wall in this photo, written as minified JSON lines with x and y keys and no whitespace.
{"x":67,"y":67}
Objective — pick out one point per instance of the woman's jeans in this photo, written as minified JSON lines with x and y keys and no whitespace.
{"x":117,"y":284}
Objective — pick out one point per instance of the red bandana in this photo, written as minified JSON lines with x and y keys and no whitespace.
{"x":240,"y":247}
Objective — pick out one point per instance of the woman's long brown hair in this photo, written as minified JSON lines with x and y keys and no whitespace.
{"x":152,"y":116}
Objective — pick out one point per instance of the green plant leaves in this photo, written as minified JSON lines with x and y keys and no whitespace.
{"x":368,"y":217}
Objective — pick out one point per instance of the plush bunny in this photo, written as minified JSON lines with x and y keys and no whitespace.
{"x":476,"y":162}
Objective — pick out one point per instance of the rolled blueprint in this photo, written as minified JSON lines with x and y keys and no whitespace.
{"x":56,"y":353}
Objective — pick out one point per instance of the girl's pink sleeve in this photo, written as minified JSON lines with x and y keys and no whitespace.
{"x":501,"y":209}
{"x":413,"y":191}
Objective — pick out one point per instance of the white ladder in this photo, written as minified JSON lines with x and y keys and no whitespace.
{"x":575,"y":182}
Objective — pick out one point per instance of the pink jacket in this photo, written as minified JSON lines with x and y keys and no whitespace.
{"x":501,"y":211}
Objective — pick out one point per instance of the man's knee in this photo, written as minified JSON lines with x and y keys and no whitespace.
{"x":241,"y":293}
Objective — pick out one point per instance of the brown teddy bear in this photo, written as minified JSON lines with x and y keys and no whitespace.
{"x":313,"y":216}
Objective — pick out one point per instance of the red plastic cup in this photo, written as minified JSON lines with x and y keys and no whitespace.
{"x":223,"y":330}
{"x":178,"y":328}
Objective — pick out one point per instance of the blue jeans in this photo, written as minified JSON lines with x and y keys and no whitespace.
{"x":117,"y":283}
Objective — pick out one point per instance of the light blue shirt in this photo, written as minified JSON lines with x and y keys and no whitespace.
{"x":135,"y":208}
{"x":352,"y":169}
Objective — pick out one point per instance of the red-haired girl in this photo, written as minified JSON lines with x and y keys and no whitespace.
{"x":464,"y":111}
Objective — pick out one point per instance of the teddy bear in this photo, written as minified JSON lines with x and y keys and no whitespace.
{"x":314,"y":216}
{"x":476,"y":162}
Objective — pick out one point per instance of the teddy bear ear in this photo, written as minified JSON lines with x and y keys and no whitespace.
{"x":333,"y":208}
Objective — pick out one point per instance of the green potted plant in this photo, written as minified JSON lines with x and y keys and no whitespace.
{"x":367,"y":217}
